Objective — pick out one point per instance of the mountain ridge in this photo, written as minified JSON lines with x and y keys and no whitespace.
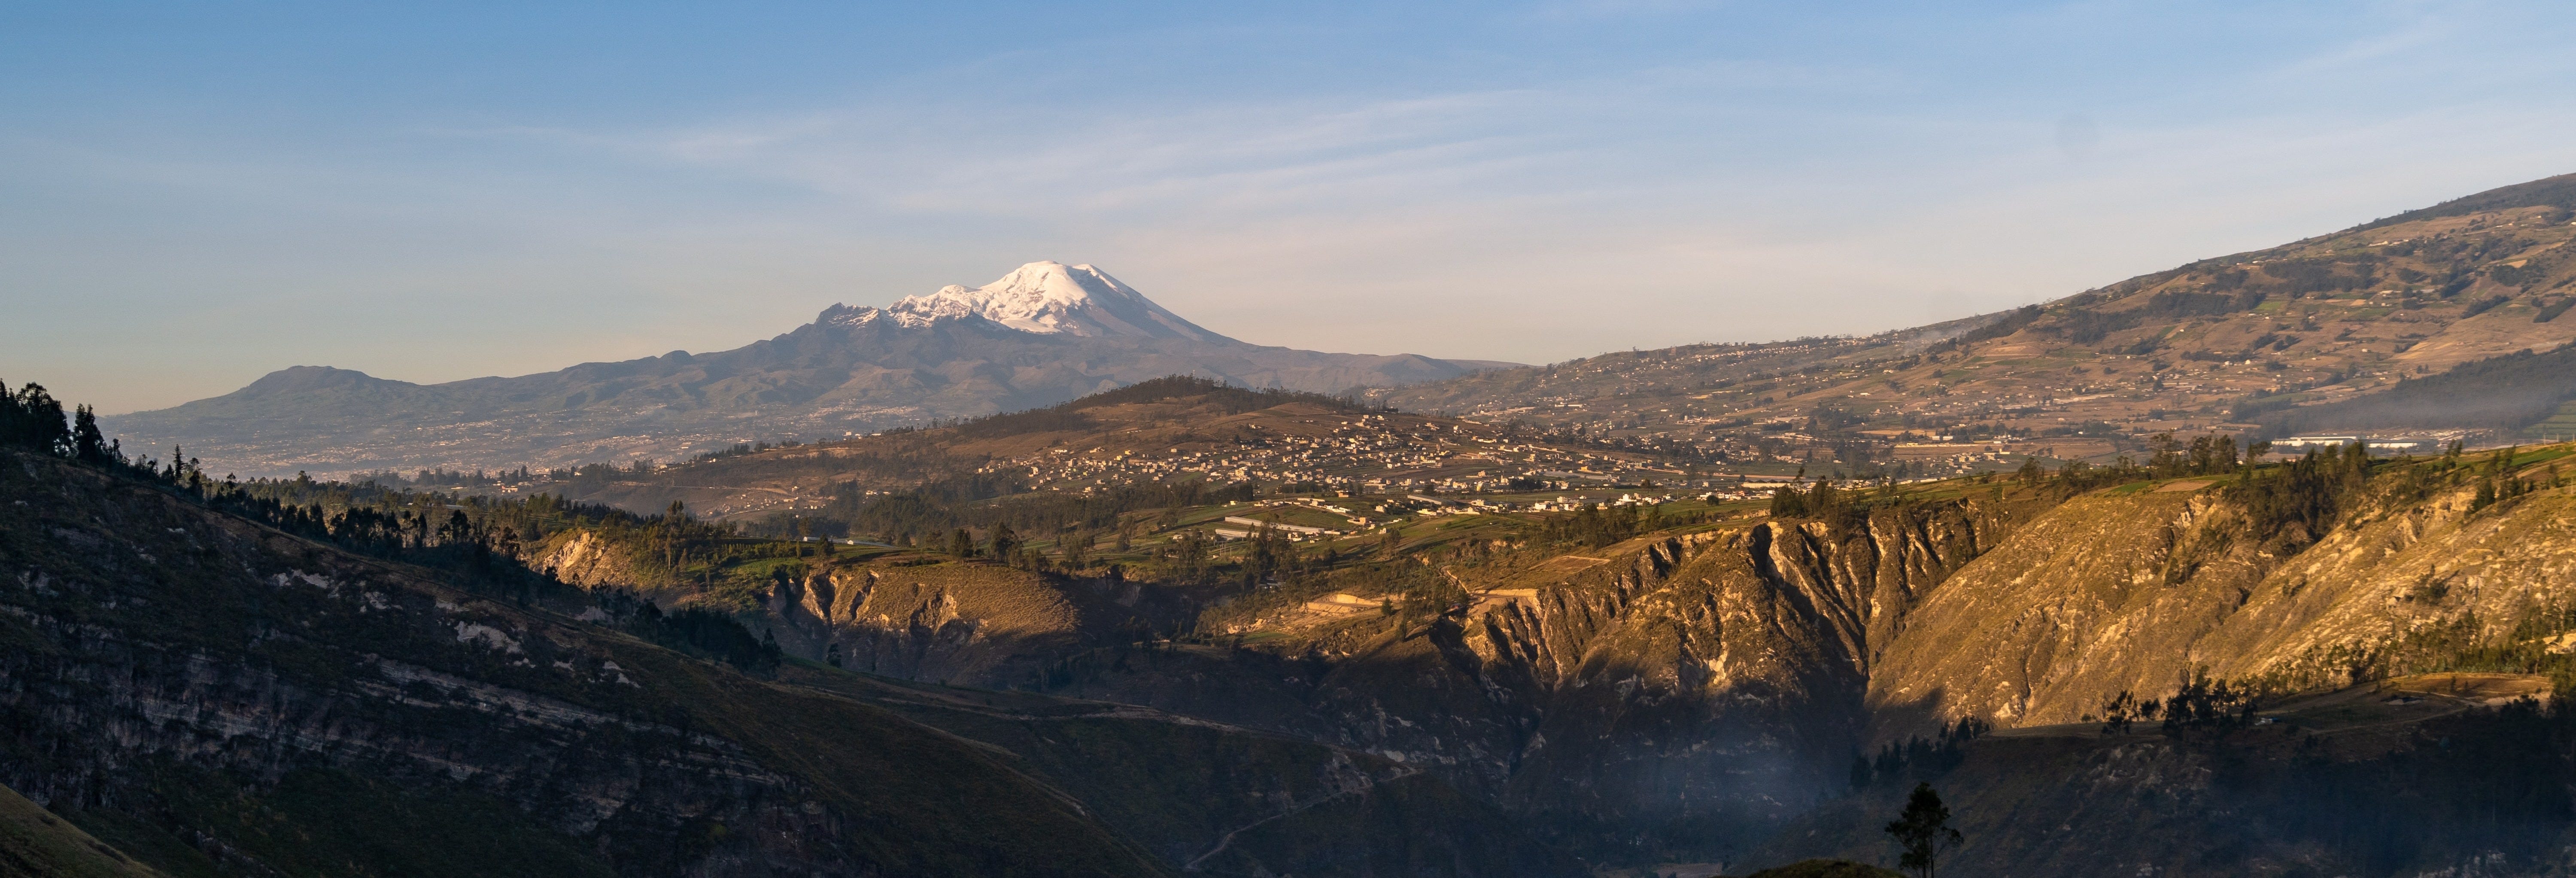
{"x":2263,"y":341}
{"x":1062,"y":331}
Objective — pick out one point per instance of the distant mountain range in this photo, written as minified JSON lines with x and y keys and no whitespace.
{"x":1043,"y":334}
{"x":2328,"y":333}
{"x":2444,"y":322}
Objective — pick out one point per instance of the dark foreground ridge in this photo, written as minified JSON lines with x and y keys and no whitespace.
{"x":215,"y":683}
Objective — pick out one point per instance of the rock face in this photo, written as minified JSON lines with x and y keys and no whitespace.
{"x":1711,"y":687}
{"x":2076,"y":607}
{"x":1045,"y":334}
{"x":981,"y":626}
{"x":2115,"y":592}
{"x":1672,"y":693}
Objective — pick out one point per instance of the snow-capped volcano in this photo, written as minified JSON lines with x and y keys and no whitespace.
{"x":1045,"y":333}
{"x":1043,"y":297}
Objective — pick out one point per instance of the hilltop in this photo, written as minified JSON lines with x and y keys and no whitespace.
{"x":1045,"y":333}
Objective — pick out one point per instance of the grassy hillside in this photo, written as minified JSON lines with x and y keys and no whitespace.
{"x":36,"y":844}
{"x":2307,"y":335}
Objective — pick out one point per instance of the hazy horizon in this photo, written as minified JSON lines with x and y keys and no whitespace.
{"x":197,"y":197}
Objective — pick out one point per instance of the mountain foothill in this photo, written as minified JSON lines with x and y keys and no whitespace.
{"x":2259,"y":565}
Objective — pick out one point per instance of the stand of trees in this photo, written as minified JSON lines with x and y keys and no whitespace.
{"x":1919,"y":757}
{"x":475,"y":542}
{"x":2292,"y":505}
{"x":1595,"y":526}
{"x":2199,"y":704}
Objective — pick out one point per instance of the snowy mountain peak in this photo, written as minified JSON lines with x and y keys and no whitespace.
{"x":1041,"y":297}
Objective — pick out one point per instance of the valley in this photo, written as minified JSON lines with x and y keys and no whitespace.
{"x":1688,"y":682}
{"x":2143,"y":580}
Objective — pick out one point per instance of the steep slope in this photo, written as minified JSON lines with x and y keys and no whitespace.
{"x":2133,"y":589}
{"x":1686,"y":693}
{"x":1044,"y":334}
{"x":2394,"y":780}
{"x":174,"y":675}
{"x":36,"y":844}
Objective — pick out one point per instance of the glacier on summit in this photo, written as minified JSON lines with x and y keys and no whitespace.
{"x":1045,"y":297}
{"x":1044,"y":333}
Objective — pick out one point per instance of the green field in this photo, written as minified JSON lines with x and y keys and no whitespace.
{"x":2558,"y":427}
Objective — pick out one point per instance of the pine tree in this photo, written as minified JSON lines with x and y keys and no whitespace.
{"x":88,"y":446}
{"x":1003,"y":542}
{"x":1923,"y":830}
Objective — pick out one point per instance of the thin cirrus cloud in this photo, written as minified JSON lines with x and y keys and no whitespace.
{"x":1074,"y":160}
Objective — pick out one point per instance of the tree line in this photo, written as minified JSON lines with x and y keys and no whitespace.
{"x":474,"y":542}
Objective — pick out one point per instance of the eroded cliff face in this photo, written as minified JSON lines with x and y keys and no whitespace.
{"x":962,"y":624}
{"x":966,"y":625}
{"x":1676,"y":692}
{"x":586,"y":559}
{"x":2408,"y":570}
{"x":1715,"y":682}
{"x":2131,"y":590}
{"x":2081,"y":603}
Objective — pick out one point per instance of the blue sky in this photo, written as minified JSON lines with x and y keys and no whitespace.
{"x":192,"y":195}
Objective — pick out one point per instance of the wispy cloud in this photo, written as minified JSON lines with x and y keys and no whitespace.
{"x":1531,"y":182}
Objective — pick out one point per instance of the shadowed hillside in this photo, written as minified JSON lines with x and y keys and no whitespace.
{"x":459,"y":718}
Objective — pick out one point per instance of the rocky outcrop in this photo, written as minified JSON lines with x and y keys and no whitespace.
{"x":1681,"y":692}
{"x":1715,"y":680}
{"x":965,"y":624}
